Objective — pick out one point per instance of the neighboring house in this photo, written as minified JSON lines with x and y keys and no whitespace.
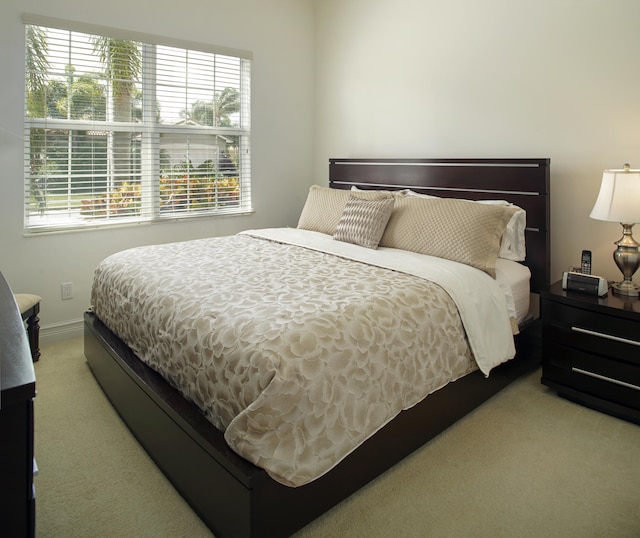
{"x":197,"y":150}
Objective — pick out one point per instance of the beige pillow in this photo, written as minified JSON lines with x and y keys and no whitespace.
{"x":458,"y":230}
{"x":363,"y":221}
{"x":512,"y":245}
{"x":324,"y":207}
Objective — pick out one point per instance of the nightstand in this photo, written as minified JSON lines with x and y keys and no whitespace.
{"x":591,"y":350}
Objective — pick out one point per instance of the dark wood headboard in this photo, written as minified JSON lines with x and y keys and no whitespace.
{"x":524,"y":182}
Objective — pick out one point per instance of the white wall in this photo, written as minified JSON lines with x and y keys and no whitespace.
{"x":497,"y":78}
{"x":401,"y":78}
{"x":280,"y":33}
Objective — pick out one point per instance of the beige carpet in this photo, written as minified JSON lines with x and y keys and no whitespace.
{"x":525,"y":464}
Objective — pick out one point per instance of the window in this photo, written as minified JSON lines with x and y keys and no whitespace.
{"x":122,"y":128}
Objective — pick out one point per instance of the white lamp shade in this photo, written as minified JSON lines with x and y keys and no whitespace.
{"x":619,"y":197}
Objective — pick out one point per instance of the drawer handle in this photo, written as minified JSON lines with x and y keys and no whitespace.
{"x":605,"y":378}
{"x":607,"y":336}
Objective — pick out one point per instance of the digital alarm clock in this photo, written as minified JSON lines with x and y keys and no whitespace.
{"x":591,"y":284}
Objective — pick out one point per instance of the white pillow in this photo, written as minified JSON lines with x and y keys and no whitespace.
{"x":379,"y":193}
{"x":513,"y":243}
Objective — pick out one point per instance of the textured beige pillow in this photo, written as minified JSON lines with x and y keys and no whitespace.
{"x":458,"y":230}
{"x":324,"y":207}
{"x":363,"y":221}
{"x":512,"y":244}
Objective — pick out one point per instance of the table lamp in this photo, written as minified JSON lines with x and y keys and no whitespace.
{"x":619,"y":201}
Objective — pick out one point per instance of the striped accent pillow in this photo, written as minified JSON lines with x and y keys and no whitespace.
{"x":363,"y":221}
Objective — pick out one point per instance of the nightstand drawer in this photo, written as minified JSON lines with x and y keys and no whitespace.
{"x":612,"y":379}
{"x":593,"y":332}
{"x":593,"y":342}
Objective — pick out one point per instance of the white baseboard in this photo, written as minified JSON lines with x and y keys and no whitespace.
{"x":62,"y":331}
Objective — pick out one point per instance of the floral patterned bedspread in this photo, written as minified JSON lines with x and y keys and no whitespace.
{"x":298,"y":355}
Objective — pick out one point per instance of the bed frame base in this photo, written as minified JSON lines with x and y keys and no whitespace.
{"x":233,"y":497}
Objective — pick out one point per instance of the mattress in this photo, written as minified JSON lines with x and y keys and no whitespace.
{"x":515,"y":280}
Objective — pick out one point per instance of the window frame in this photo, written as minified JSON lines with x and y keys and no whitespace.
{"x":151,"y":132}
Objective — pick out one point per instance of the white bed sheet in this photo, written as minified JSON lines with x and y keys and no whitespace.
{"x":515,"y":280}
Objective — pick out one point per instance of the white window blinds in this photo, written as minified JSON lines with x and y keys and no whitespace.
{"x":121,"y":130}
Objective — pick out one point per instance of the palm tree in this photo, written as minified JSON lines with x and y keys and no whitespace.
{"x":227,"y":102}
{"x":201,"y":113}
{"x":37,"y":67}
{"x":215,"y":113}
{"x":122,"y":60}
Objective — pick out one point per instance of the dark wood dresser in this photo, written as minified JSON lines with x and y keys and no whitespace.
{"x":591,"y":350}
{"x":18,"y":389}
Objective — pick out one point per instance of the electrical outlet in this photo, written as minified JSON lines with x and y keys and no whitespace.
{"x":67,"y":290}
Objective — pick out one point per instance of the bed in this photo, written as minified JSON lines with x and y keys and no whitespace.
{"x":235,"y":497}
